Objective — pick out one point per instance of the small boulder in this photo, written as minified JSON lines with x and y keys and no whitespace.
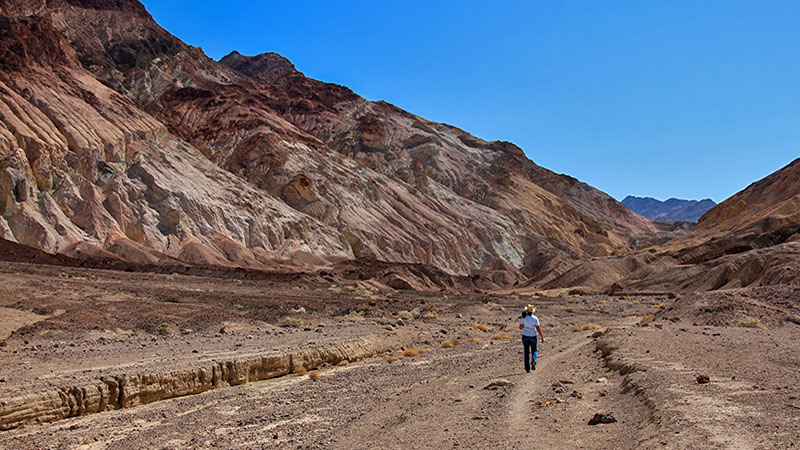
{"x":614,"y":289}
{"x":703,"y":379}
{"x":226,"y":330}
{"x":602,"y":418}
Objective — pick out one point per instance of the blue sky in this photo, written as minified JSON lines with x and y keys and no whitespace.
{"x":688,"y":99}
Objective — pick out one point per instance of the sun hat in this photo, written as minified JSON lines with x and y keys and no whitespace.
{"x":530,"y":308}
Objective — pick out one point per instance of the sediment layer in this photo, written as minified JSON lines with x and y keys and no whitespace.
{"x":125,"y":391}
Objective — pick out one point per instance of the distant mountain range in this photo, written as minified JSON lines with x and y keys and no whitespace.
{"x":672,"y":210}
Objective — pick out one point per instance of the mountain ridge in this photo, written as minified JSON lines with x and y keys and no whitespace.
{"x":122,"y":137}
{"x":670,"y":210}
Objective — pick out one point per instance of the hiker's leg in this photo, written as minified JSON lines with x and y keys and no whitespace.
{"x":534,"y":346}
{"x":527,"y":346}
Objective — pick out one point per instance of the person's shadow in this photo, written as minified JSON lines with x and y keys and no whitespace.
{"x":515,"y":374}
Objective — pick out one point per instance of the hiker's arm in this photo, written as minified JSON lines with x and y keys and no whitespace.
{"x":521,"y":326}
{"x":539,"y":330}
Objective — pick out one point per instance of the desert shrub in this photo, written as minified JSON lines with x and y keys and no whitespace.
{"x":450,"y":343}
{"x":636,"y":302}
{"x":292,"y":322}
{"x":495,"y":306}
{"x":569,"y":309}
{"x":659,"y":305}
{"x":794,"y":319}
{"x":500,"y":336}
{"x":406,"y":315}
{"x":314,"y":375}
{"x":480,"y":326}
{"x":164,"y":329}
{"x":343,"y":363}
{"x":431,"y":315}
{"x":648,"y":318}
{"x":390,"y":359}
{"x":752,"y":322}
{"x":410,"y":352}
{"x":299,"y":370}
{"x":238,"y":306}
{"x":587,"y":327}
{"x":603,"y":302}
{"x":474,"y":340}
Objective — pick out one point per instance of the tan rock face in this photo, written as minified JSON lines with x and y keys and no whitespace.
{"x":750,"y":239}
{"x":117,"y":134}
{"x":765,"y":214}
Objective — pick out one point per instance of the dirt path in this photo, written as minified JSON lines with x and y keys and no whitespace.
{"x":529,"y":385}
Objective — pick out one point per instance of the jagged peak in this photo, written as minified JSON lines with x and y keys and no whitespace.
{"x":269,"y":66}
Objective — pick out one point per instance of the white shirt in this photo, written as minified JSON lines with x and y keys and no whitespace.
{"x":530,"y":323}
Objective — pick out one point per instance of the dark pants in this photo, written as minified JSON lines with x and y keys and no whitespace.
{"x":529,"y":343}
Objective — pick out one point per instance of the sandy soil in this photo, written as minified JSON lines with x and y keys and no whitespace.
{"x":12,"y":320}
{"x":644,"y":373}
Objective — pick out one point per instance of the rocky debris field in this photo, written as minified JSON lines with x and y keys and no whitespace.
{"x":442,"y":369}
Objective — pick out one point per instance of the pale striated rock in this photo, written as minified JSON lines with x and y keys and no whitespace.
{"x":126,"y":391}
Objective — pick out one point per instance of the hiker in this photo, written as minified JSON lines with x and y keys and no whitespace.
{"x":529,"y":324}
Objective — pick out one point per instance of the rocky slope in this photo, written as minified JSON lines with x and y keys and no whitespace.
{"x":671,"y":210}
{"x":750,"y":239}
{"x":117,"y":139}
{"x":765,"y":214}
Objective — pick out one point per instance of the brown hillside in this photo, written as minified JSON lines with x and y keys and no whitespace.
{"x":118,"y":135}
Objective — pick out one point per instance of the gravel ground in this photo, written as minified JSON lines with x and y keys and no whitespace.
{"x":436,"y":399}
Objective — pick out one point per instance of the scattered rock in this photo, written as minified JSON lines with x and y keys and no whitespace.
{"x":602,"y":418}
{"x":3,"y":344}
{"x":599,"y":333}
{"x":186,"y":331}
{"x":703,"y":379}
{"x":602,"y":380}
{"x":459,"y":316}
{"x":615,"y":288}
{"x":226,"y":330}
